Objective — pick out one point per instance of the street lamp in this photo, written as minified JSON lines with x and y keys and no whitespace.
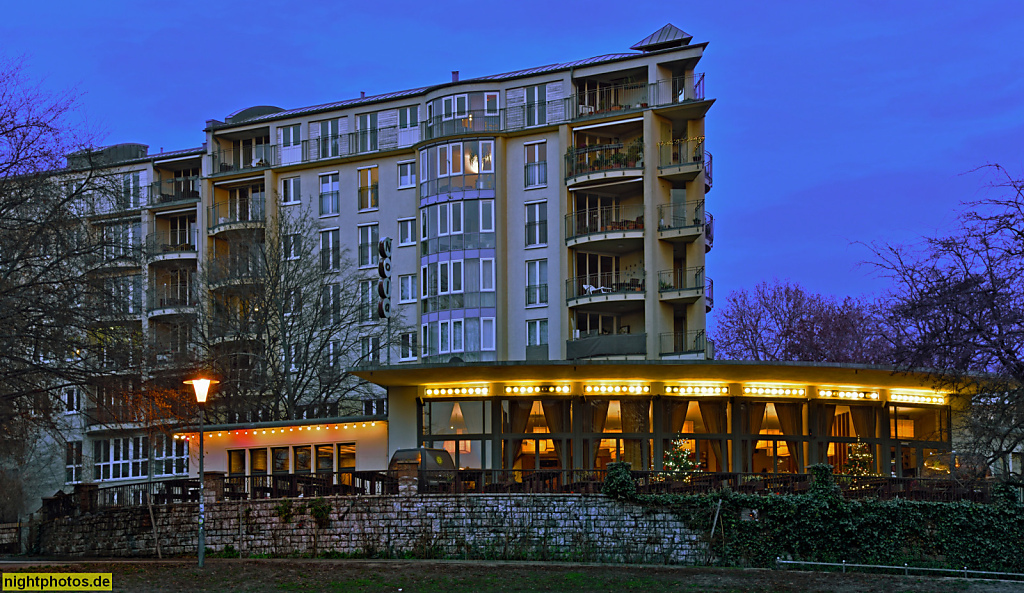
{"x":202,"y":387}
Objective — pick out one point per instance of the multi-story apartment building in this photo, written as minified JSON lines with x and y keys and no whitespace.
{"x":553,"y":213}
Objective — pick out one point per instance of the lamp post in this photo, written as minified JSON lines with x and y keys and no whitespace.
{"x":202,"y":387}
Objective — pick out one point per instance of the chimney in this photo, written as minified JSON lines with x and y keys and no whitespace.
{"x":455,"y":76}
{"x":362,"y":94}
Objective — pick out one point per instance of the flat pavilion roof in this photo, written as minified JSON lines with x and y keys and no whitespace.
{"x":650,"y":371}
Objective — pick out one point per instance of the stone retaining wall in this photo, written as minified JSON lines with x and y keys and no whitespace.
{"x":509,"y":526}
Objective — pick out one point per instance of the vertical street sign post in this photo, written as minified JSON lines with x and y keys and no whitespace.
{"x":384,"y":288}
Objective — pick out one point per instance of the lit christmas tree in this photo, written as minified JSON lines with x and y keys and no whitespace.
{"x":860,"y":461}
{"x":679,"y":460}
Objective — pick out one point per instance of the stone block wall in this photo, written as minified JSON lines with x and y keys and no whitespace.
{"x":574,"y":527}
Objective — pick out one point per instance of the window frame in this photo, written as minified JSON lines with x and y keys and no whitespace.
{"x":411,"y":178}
{"x":410,"y":280}
{"x":485,"y":321}
{"x":542,"y":241}
{"x":410,"y":237}
{"x":291,"y":190}
{"x":336,"y":199}
{"x":370,"y":246}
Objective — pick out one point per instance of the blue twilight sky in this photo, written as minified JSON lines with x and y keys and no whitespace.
{"x":835,"y":122}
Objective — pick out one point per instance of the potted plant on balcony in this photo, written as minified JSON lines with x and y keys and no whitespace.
{"x":618,"y":160}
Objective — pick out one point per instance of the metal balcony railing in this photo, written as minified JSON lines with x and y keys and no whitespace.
{"x":175,"y":189}
{"x":161,"y":242}
{"x":681,"y":279}
{"x":679,"y":89}
{"x":684,"y":151}
{"x":600,"y":284}
{"x":235,"y":271}
{"x":681,"y":215}
{"x":254,"y":157}
{"x":709,"y":230}
{"x":629,"y":217}
{"x":452,"y":183}
{"x":465,"y":122}
{"x":458,"y":242}
{"x":604,"y":100}
{"x":688,"y":342}
{"x":581,"y":160}
{"x":173,"y":295}
{"x":707,"y":168}
{"x":237,"y":210}
{"x":709,"y":294}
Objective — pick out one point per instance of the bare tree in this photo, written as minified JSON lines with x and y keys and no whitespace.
{"x":957,"y":308}
{"x":782,"y":321}
{"x":281,"y":320}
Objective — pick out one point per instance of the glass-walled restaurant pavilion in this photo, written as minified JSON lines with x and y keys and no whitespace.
{"x":730,"y":416}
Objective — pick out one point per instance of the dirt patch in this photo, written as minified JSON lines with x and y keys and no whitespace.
{"x":413,"y":576}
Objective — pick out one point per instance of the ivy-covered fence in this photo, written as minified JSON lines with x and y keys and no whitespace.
{"x":821,"y":526}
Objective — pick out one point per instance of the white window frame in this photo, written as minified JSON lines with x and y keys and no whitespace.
{"x":291,"y":246}
{"x":409,"y":123}
{"x":406,"y":238}
{"x":540,"y":324}
{"x":335,"y":183}
{"x":458,"y":338}
{"x":291,"y":135}
{"x":531,"y":150}
{"x":409,"y":177}
{"x":533,"y":278}
{"x":291,"y":190}
{"x":484,"y":261}
{"x":424,"y":290}
{"x":484,"y":345}
{"x":444,"y":345}
{"x":487,"y":165}
{"x":497,"y":102}
{"x":487,"y":225}
{"x":455,"y":215}
{"x":407,"y":288}
{"x":457,"y":280}
{"x":72,"y":398}
{"x":74,"y":463}
{"x":333,"y":247}
{"x":366,"y":293}
{"x":444,"y":279}
{"x":444,"y":221}
{"x":424,"y":224}
{"x":371,"y":245}
{"x":405,"y":354}
{"x":541,"y":241}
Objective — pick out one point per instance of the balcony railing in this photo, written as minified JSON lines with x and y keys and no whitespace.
{"x":235,"y":211}
{"x":681,"y":279}
{"x":537,"y":294}
{"x":601,"y":284}
{"x":168,"y":352}
{"x":605,"y":100}
{"x":688,"y":342}
{"x":236,"y":271}
{"x":582,"y":160}
{"x":536,"y":174}
{"x":709,"y":230}
{"x":681,"y":215}
{"x":168,"y":296}
{"x":368,"y":197}
{"x":609,"y":219}
{"x":709,"y":294}
{"x":165,"y":242}
{"x":606,"y":345}
{"x":452,"y":183}
{"x":458,"y":242}
{"x":175,"y":189}
{"x":466,"y":122}
{"x":681,"y":152}
{"x":707,"y":169}
{"x":680,"y":89}
{"x":459,"y":300}
{"x":254,"y":157}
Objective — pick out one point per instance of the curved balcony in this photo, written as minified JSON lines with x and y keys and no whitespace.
{"x":617,"y":229}
{"x":682,"y":160}
{"x":681,"y":222}
{"x":685,"y":345}
{"x":237,"y":215}
{"x":681,"y":286}
{"x":709,"y":232}
{"x":170,"y":299}
{"x":236,"y":275}
{"x":608,"y":161}
{"x":169,"y":245}
{"x":610,"y":288}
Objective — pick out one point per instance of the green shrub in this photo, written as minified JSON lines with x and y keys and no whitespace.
{"x":619,"y":482}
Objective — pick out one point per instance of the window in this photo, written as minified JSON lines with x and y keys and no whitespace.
{"x":536,"y":164}
{"x":330,"y":251}
{"x":328,"y":144}
{"x":324,"y":458}
{"x":291,"y":190}
{"x":366,"y":130}
{"x":452,"y":107}
{"x":456,"y":218}
{"x":329,"y":194}
{"x":442,"y":219}
{"x":491,"y":103}
{"x":369,"y":349}
{"x":487,"y":274}
{"x":346,"y":456}
{"x":291,"y":245}
{"x":332,"y":364}
{"x":366,"y":300}
{"x":72,"y":397}
{"x":457,"y":335}
{"x":407,"y":288}
{"x":115,"y":459}
{"x":130,"y":190}
{"x":331,"y":304}
{"x":487,"y":216}
{"x":536,"y":224}
{"x":536,"y":105}
{"x":170,"y":456}
{"x":281,"y":459}
{"x":257,"y":462}
{"x":294,"y":357}
{"x":443,"y":277}
{"x":487,"y":333}
{"x":424,"y":225}
{"x":406,"y":232}
{"x":456,"y":283}
{"x":537,"y":332}
{"x":367,"y":188}
{"x":407,"y":116}
{"x":407,"y":174}
{"x":236,"y":462}
{"x":73,"y":462}
{"x":368,"y":245}
{"x":303,"y":458}
{"x":290,"y":135}
{"x":408,"y":346}
{"x":536,"y":282}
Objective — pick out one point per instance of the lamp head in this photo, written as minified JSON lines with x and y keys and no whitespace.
{"x":202,"y":387}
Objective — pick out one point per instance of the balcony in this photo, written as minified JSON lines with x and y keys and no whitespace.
{"x":709,"y":232}
{"x":681,"y":160}
{"x":171,"y":244}
{"x":681,"y":286}
{"x":249,"y":158}
{"x":591,"y":163}
{"x":462,"y":183}
{"x":681,"y":222}
{"x":609,"y":288}
{"x":174,"y":191}
{"x":709,"y":295}
{"x":458,"y":242}
{"x":169,"y":353}
{"x":681,"y":98}
{"x":171,"y":299}
{"x":685,"y":345}
{"x":610,"y":345}
{"x":236,"y":274}
{"x":237,"y":330}
{"x":466,"y":122}
{"x":609,"y":100}
{"x":618,"y":229}
{"x":237,"y":214}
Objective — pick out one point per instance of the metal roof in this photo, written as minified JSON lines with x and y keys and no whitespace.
{"x":663,"y":37}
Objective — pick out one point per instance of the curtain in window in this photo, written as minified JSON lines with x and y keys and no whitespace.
{"x":713,"y":415}
{"x":826,"y":418}
{"x":791,"y":421}
{"x":751,"y":419}
{"x":636,"y":418}
{"x":518,"y":418}
{"x":598,"y":417}
{"x":864,"y":421}
{"x":556,"y":414}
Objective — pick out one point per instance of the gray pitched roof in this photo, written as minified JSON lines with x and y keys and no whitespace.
{"x":666,"y":36}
